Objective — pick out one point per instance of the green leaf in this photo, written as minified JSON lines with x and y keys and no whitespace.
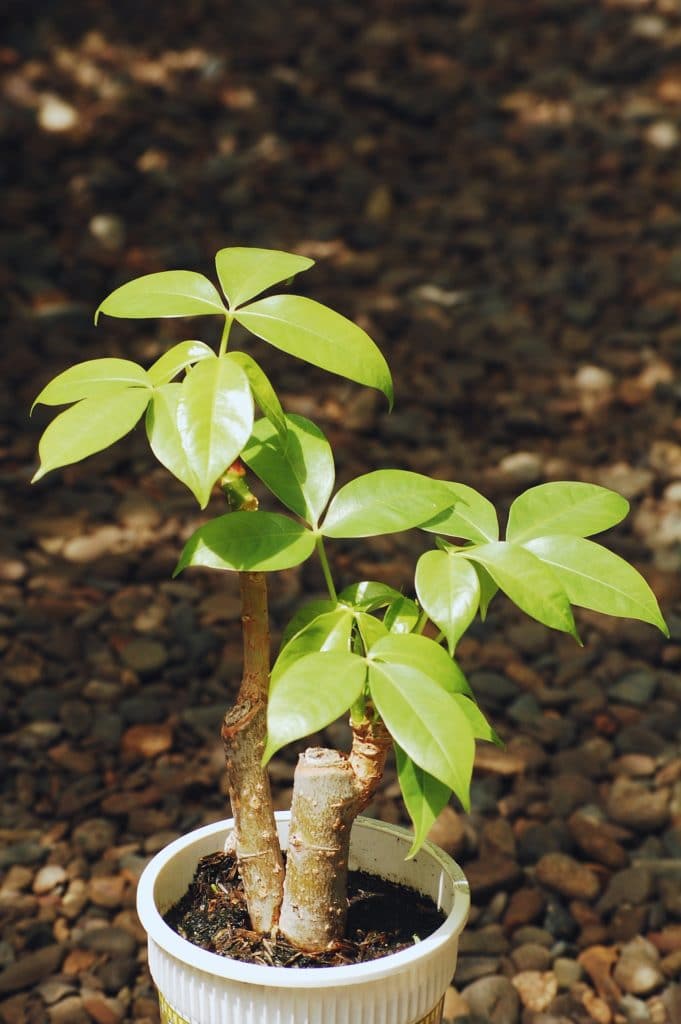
{"x":426,"y":721}
{"x":310,"y":694}
{"x":482,"y":730}
{"x":371,"y":629}
{"x":300,"y":471}
{"x":89,"y":426}
{"x":304,"y":616}
{"x":474,"y":517}
{"x":248,"y":542}
{"x":94,"y":377}
{"x":385,"y":501}
{"x":529,"y":583}
{"x":424,"y":657}
{"x":424,"y":797}
{"x":263,"y":392}
{"x":488,"y":589}
{"x":402,"y":615}
{"x":369,"y":595}
{"x":315,"y":333}
{"x":330,"y":631}
{"x":596,"y":578}
{"x":166,"y":294}
{"x":448,"y":589}
{"x":176,"y":359}
{"x":215,"y":418}
{"x":564,"y":507}
{"x":165,"y":437}
{"x":245,"y":273}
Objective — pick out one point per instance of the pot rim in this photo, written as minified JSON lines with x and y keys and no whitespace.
{"x":302,"y":977}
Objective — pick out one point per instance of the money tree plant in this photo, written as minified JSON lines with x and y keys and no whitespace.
{"x":385,"y":658}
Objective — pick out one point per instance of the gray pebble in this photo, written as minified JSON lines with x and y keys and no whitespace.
{"x":494,"y":998}
{"x":112,"y":940}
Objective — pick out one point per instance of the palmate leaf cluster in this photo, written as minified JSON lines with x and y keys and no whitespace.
{"x":368,"y":650}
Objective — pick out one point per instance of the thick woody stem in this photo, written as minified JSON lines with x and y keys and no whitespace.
{"x":329,"y":791}
{"x":243,"y":734}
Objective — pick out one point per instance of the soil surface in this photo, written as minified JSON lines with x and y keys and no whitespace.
{"x":383,"y":918}
{"x":493,"y":191}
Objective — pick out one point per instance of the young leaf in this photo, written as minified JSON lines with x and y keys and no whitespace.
{"x":473,"y":518}
{"x":567,"y":507}
{"x":424,"y":797}
{"x":304,"y":616}
{"x":427,"y":722}
{"x":263,"y":392}
{"x":176,"y":359}
{"x":215,"y":418}
{"x":313,"y":692}
{"x":529,"y":583}
{"x":448,"y":589}
{"x":315,"y":333}
{"x":90,"y":426}
{"x":424,"y":657}
{"x":385,"y":501}
{"x":369,"y":595}
{"x":330,"y":631}
{"x":94,"y":377}
{"x":596,"y":578}
{"x":165,"y":438}
{"x":402,"y":615}
{"x":166,"y":294}
{"x":299,"y":470}
{"x":245,"y":273}
{"x":248,"y":542}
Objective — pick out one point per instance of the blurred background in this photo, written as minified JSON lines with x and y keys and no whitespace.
{"x":492,"y":190}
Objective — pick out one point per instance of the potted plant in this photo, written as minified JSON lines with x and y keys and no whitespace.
{"x":368,"y":650}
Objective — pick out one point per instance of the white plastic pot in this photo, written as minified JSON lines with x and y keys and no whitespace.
{"x":198,"y":987}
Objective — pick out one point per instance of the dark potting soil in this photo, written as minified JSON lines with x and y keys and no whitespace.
{"x":383,"y":918}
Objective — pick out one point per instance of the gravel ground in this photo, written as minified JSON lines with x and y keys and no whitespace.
{"x":493,"y":191}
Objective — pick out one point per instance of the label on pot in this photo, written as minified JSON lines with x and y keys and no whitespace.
{"x":170,"y":1016}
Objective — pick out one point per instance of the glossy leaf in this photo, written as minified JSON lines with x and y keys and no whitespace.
{"x":165,"y":437}
{"x":385,"y":501}
{"x":245,"y":273}
{"x":474,"y":518}
{"x":424,"y":797}
{"x":448,"y":589}
{"x":90,"y":426}
{"x":402,"y":615}
{"x":330,"y":631}
{"x":248,"y":542}
{"x":263,"y":392}
{"x":215,"y":419}
{"x":488,"y":589}
{"x":300,"y":471}
{"x":369,"y":595}
{"x":303,"y":616}
{"x":313,"y":692}
{"x":371,"y":629}
{"x":426,"y":721}
{"x":596,"y":578}
{"x":424,"y":657}
{"x":91,"y":378}
{"x":169,"y":293}
{"x":529,"y":583}
{"x":564,"y":507}
{"x":482,"y":730}
{"x":317,"y":334}
{"x":176,"y":359}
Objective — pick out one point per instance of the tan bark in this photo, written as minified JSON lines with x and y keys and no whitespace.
{"x":243,"y":734}
{"x":329,"y":791}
